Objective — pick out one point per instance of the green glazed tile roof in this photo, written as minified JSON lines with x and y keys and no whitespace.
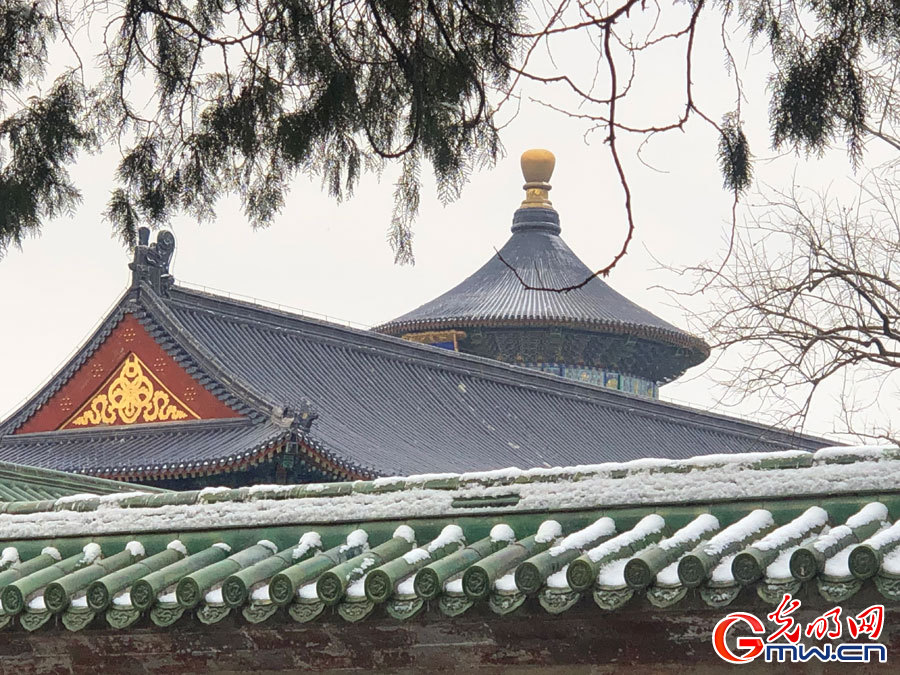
{"x":24,"y":483}
{"x":715,"y":530}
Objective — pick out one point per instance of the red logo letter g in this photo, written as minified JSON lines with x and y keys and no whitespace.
{"x":753,"y":645}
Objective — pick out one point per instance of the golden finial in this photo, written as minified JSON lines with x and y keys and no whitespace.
{"x":537,"y":167}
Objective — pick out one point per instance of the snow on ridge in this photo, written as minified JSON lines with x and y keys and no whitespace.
{"x":507,"y":582}
{"x":813,"y":517}
{"x":587,"y":490}
{"x":558,"y":579}
{"x":406,"y":586}
{"x":308,"y":591}
{"x":647,"y":525}
{"x":222,"y":545}
{"x":705,"y":522}
{"x":668,"y":575}
{"x":603,"y":527}
{"x":891,"y":562}
{"x":747,"y":526}
{"x":866,"y":451}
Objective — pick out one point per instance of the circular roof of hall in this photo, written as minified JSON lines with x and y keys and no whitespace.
{"x":494,"y":296}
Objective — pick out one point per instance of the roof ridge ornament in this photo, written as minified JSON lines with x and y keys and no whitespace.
{"x":537,"y":168}
{"x":151,"y":261}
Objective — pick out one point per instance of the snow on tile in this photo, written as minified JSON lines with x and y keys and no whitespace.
{"x":578,"y":540}
{"x":558,"y":579}
{"x":454,"y":586}
{"x":885,"y":538}
{"x":746,"y":527}
{"x":406,"y":586}
{"x":52,"y":551}
{"x":721,"y":573}
{"x":891,"y":562}
{"x":80,"y":600}
{"x":646,"y":526}
{"x":730,"y":477}
{"x":177,"y":546}
{"x":308,"y":591}
{"x":406,"y":532}
{"x":356,"y":539}
{"x":10,"y":556}
{"x":261,"y":593}
{"x":692,"y":532}
{"x":123,"y":599}
{"x":613,"y":574}
{"x":415,"y":555}
{"x":668,"y":575}
{"x":838,"y":565}
{"x":309,"y":540}
{"x":91,"y":553}
{"x":502,"y":532}
{"x":37,"y":603}
{"x":214,"y":597}
{"x":548,"y":531}
{"x":506,"y":583}
{"x":358,"y":588}
{"x":814,"y":517}
{"x":135,"y":548}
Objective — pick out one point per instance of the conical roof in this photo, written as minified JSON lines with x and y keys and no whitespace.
{"x":494,"y":296}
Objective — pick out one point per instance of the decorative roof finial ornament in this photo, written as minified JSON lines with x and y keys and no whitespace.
{"x":151,"y":261}
{"x":537,"y":168}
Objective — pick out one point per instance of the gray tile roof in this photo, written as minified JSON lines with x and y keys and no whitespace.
{"x":493,"y":295}
{"x":381,"y":406}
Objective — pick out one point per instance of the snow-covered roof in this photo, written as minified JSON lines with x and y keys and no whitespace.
{"x":614,"y":532}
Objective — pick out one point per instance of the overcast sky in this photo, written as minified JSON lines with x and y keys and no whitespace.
{"x":332,"y":259}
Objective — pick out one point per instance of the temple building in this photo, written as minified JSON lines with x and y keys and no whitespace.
{"x":183,"y":389}
{"x":577,"y":327}
{"x":293,"y":495}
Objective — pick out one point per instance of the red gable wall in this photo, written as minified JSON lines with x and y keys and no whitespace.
{"x":94,"y":395}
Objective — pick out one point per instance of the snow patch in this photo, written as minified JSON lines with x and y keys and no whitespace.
{"x":406,"y":532}
{"x":123,"y":599}
{"x":721,"y":573}
{"x":268,"y":544}
{"x":214,"y":597}
{"x":356,"y":539}
{"x":668,"y":575}
{"x":613,"y":574}
{"x":416,"y":555}
{"x":743,"y":529}
{"x":261,"y":594}
{"x":452,"y":534}
{"x":558,"y":579}
{"x":222,"y":545}
{"x":838,"y":565}
{"x":177,"y":546}
{"x":454,"y":586}
{"x":887,"y":537}
{"x":506,"y":583}
{"x":91,"y":553}
{"x":647,"y":525}
{"x":357,"y":589}
{"x":10,"y":556}
{"x":694,"y":530}
{"x":168,"y":596}
{"x":52,"y":552}
{"x":308,"y":591}
{"x":135,"y":548}
{"x":308,"y":541}
{"x":814,"y":517}
{"x":547,"y":532}
{"x":407,"y":586}
{"x":867,"y":514}
{"x":578,"y":540}
{"x":502,"y":532}
{"x":37,"y":603}
{"x":80,"y":600}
